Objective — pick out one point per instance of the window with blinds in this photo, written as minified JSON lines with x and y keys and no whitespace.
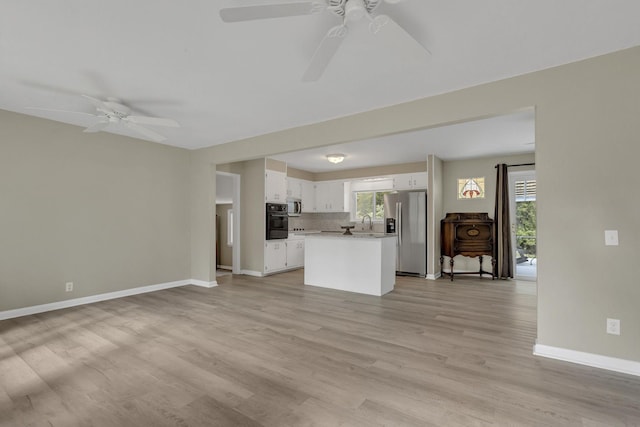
{"x":525,"y":190}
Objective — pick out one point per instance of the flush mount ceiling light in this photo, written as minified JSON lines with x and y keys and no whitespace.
{"x":335,"y":158}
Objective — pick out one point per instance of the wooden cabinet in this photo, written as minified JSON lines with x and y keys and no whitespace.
{"x":275,"y":255}
{"x":275,"y":187}
{"x":295,"y":252}
{"x":332,"y":196}
{"x":467,"y":234}
{"x":410,"y":181}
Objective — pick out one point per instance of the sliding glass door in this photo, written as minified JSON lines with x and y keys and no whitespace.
{"x":523,"y":224}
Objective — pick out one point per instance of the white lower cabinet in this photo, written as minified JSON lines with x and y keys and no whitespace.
{"x":275,"y":255}
{"x":282,"y":255}
{"x":295,"y":252}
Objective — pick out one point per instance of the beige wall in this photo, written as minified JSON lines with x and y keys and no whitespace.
{"x":105,"y":212}
{"x":252,"y":211}
{"x":300,"y":174}
{"x":373,"y":171}
{"x":435,"y":205}
{"x":586,"y":151}
{"x":202,"y":220}
{"x":275,"y":165}
{"x":359,"y":173}
{"x":473,"y":168}
{"x":226,"y":255}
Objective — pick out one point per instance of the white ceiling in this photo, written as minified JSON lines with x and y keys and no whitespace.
{"x":224,"y":82}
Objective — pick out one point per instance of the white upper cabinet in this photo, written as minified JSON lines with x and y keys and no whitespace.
{"x":294,"y":188}
{"x":308,"y":196}
{"x":332,"y":196}
{"x":410,"y":181}
{"x":275,"y":184}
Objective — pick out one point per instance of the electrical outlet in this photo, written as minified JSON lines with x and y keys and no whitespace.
{"x":611,"y":237}
{"x":613,"y":326}
{"x":68,"y":287}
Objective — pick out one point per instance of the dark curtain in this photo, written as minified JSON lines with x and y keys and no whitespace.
{"x":503,"y":253}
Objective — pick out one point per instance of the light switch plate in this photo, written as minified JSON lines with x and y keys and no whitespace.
{"x":613,"y":326}
{"x":611,"y":237}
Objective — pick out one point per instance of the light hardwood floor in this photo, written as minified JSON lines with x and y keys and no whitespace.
{"x":272,"y":352}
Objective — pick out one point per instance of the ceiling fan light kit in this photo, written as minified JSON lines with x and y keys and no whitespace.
{"x":347,"y":10}
{"x":354,"y":10}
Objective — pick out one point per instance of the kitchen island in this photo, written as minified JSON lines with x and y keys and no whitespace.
{"x":362,"y":263}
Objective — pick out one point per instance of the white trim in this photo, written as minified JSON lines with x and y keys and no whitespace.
{"x":42,"y":308}
{"x":26,"y":311}
{"x":589,"y":359}
{"x":203,"y":284}
{"x":433,"y":276}
{"x":252,"y":273}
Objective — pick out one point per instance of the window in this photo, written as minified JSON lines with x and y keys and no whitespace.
{"x":471,"y":188}
{"x":370,"y":203}
{"x":526,"y":190}
{"x":230,"y":227}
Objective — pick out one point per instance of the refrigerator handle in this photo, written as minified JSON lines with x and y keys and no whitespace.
{"x":399,"y":216}
{"x":397,"y":224}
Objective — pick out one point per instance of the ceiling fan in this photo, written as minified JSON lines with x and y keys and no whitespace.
{"x":112,"y":111}
{"x":347,"y":10}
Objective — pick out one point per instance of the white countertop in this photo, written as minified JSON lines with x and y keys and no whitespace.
{"x":303,"y":232}
{"x":356,"y":235}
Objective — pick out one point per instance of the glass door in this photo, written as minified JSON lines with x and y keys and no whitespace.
{"x":523,"y":224}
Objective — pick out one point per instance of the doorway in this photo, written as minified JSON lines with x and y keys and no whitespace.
{"x":523,"y":224}
{"x":227,"y":223}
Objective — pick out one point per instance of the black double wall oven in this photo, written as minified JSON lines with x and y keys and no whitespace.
{"x":277,"y":221}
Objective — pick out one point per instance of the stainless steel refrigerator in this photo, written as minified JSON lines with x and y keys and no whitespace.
{"x":405,"y":214}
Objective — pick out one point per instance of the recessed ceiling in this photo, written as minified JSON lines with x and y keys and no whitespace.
{"x":228,"y":81}
{"x":508,"y":134}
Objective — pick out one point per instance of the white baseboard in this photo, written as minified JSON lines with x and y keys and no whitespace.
{"x":42,"y":308}
{"x":433,"y":276}
{"x":203,"y":283}
{"x":589,"y":359}
{"x":252,"y":273}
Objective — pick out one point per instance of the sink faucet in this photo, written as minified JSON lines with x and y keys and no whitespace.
{"x":370,"y":224}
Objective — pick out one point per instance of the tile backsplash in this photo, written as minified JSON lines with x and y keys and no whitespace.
{"x":327,"y":222}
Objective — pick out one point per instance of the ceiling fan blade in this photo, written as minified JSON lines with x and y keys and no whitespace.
{"x":250,"y":13}
{"x":381,"y":21}
{"x":154,"y":121}
{"x":145,"y":132}
{"x":98,"y":126}
{"x":321,"y":58}
{"x":96,"y":102}
{"x":59,"y":111}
